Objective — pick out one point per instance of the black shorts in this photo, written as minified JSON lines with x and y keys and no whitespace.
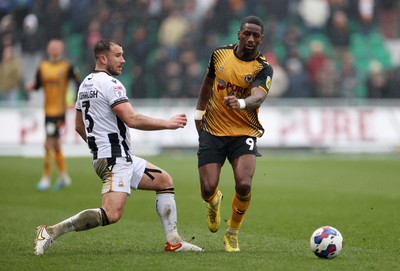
{"x":53,"y":125}
{"x":215,"y":149}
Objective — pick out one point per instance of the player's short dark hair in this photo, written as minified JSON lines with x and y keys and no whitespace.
{"x":103,"y":47}
{"x":252,"y":20}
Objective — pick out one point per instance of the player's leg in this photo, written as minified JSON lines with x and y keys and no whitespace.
{"x":157,"y":179}
{"x":84,"y":220}
{"x":209,"y":178}
{"x":211,"y":157}
{"x":114,"y":197}
{"x":243,"y":169}
{"x":63,"y":180}
{"x":45,"y":182}
{"x":242,"y":157}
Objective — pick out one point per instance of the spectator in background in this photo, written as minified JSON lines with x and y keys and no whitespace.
{"x":171,"y":32}
{"x":219,"y":17}
{"x":299,"y":85}
{"x":10,"y":76}
{"x":388,"y":18}
{"x":336,"y":5}
{"x":190,"y":11}
{"x":292,"y":37}
{"x":118,"y":33}
{"x":7,"y":32}
{"x":314,"y":14}
{"x":210,"y":42}
{"x":32,"y":43}
{"x":159,"y":70}
{"x":366,"y":14}
{"x":51,"y":18}
{"x":327,"y":80}
{"x":142,"y":12}
{"x":139,"y":87}
{"x":376,"y":82}
{"x":93,"y":34}
{"x":192,"y":73}
{"x":338,"y":33}
{"x":173,"y":80}
{"x":281,"y":79}
{"x":348,"y":82}
{"x":316,"y":61}
{"x":54,"y":75}
{"x":207,"y":27}
{"x":104,"y":17}
{"x":139,"y":46}
{"x":76,"y":9}
{"x":393,"y":83}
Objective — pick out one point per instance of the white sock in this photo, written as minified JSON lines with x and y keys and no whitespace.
{"x":82,"y":221}
{"x":166,"y":210}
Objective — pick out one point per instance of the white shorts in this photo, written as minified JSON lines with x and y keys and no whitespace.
{"x":123,"y":176}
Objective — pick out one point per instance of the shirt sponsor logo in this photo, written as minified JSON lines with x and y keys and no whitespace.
{"x":231,"y":89}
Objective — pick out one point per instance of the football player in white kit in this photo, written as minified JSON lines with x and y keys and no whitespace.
{"x":103,"y":118}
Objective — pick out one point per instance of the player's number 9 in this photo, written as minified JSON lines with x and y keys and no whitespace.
{"x":250,"y":142}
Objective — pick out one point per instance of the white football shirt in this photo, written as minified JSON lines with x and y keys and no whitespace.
{"x":107,"y":135}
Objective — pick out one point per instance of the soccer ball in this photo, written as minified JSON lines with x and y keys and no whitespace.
{"x":326,"y":242}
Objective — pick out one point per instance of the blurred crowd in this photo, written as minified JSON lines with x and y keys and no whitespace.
{"x":318,"y":48}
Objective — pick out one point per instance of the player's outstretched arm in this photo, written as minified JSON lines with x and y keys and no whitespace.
{"x":142,"y":122}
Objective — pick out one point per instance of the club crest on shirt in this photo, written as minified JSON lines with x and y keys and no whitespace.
{"x":249,"y":78}
{"x":221,"y":69}
{"x":119,"y":91}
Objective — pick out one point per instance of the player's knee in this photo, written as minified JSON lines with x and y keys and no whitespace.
{"x":113,"y":215}
{"x":166,"y":182}
{"x":207,"y":191}
{"x":243,"y":189}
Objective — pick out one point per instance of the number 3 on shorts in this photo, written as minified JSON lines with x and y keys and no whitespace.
{"x":250,"y":142}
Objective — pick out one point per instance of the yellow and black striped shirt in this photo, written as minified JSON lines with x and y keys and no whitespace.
{"x":54,"y":78}
{"x":233,"y":76}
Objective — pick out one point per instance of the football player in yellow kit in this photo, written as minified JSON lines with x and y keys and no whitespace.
{"x":236,"y":84}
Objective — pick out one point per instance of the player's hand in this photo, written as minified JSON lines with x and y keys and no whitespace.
{"x":29,"y":86}
{"x":231,"y":102}
{"x":178,"y":121}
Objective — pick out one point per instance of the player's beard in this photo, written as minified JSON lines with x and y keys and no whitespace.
{"x":113,"y":71}
{"x":249,"y":52}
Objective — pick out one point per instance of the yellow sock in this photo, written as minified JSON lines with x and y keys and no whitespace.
{"x":47,"y":163}
{"x":60,"y":161}
{"x":239,"y":207}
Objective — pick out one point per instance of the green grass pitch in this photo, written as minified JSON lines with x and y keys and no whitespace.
{"x":292,"y":196}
